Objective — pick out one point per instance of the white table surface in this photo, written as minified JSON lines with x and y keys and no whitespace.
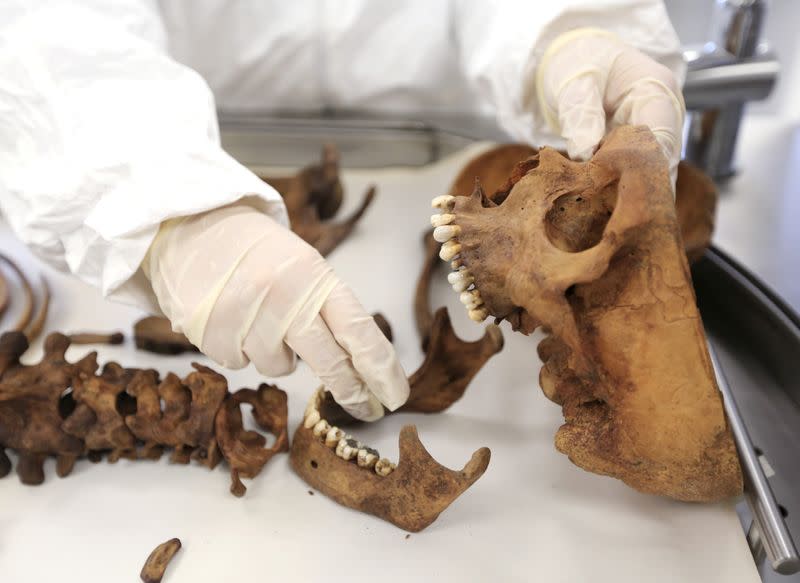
{"x":532,"y":517}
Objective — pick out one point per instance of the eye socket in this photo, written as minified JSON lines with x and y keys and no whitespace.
{"x":575,"y":222}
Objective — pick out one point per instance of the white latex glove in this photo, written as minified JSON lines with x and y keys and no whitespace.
{"x":589,"y":82}
{"x":243,"y":288}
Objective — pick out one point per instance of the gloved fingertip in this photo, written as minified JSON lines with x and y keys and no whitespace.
{"x":276,"y":364}
{"x":581,"y":151}
{"x":671,"y":148}
{"x":399,"y":395}
{"x":369,"y":410}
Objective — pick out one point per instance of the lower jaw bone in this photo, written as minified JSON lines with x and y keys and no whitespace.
{"x":411,"y":496}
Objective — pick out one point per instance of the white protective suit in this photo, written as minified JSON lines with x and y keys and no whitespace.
{"x":108,"y":125}
{"x":111,"y":168}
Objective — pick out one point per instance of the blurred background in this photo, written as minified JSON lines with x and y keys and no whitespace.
{"x":693,"y":21}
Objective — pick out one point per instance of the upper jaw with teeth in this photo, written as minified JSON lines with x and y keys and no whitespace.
{"x":344,"y":446}
{"x":461,"y":278}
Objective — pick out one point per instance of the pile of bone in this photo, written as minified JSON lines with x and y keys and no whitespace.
{"x":461,"y":279}
{"x":345,"y":446}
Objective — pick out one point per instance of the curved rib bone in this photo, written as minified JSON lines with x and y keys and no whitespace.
{"x":36,"y":325}
{"x":27,"y":310}
{"x":4,"y":294}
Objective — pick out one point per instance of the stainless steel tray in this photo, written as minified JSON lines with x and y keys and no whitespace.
{"x":757,"y":337}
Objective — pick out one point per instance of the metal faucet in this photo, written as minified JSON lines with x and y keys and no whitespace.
{"x":723,"y":75}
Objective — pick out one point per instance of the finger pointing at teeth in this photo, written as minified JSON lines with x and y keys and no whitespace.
{"x":371,"y":354}
{"x":315,"y":344}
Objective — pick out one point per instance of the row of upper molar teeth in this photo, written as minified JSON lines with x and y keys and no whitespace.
{"x":444,"y":202}
{"x":443,"y":231}
{"x":461,"y":278}
{"x":345,"y":446}
{"x":443,"y":220}
{"x":474,"y":303}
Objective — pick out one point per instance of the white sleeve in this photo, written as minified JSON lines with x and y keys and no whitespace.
{"x":500,"y":44}
{"x":103,"y":137}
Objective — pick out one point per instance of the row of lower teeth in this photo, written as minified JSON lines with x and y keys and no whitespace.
{"x":345,"y":446}
{"x":461,"y":279}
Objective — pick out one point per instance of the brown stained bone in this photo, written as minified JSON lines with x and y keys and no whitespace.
{"x":27,"y":311}
{"x":450,"y":365}
{"x":158,"y":561}
{"x":423,"y":315}
{"x":97,"y":420}
{"x":592,"y":253}
{"x":492,"y":168}
{"x":312,"y":198}
{"x":5,"y":296}
{"x":695,"y":206}
{"x":110,"y":338}
{"x":67,"y":410}
{"x":36,"y":325}
{"x":410,"y":497}
{"x":695,"y":198}
{"x":244,"y":450}
{"x":384,"y":325}
{"x":33,"y":402}
{"x":154,"y":334}
{"x":186,"y":423}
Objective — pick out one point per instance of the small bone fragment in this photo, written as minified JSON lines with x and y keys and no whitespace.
{"x":111,"y":338}
{"x":383,"y":324}
{"x":154,"y":334}
{"x":313,"y":196}
{"x":158,"y":561}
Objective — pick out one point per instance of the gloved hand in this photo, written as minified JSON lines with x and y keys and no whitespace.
{"x":589,"y":82}
{"x":243,"y":288}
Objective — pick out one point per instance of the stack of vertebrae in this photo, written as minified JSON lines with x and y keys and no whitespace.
{"x":592,"y":254}
{"x":67,"y":410}
{"x":345,"y":446}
